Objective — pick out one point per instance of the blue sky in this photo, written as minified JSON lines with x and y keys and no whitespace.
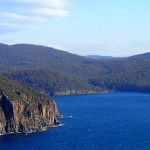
{"x":84,"y":27}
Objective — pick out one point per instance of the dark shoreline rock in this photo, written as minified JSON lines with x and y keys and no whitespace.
{"x":26,"y":133}
{"x":79,"y":92}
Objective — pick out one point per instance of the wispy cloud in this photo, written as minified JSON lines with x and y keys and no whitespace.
{"x":50,"y":3}
{"x":19,"y":17}
{"x":22,"y":12}
{"x":8,"y":27}
{"x":52,"y":12}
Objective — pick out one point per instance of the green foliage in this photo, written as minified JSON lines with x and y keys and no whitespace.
{"x":50,"y":70}
{"x":13,"y":90}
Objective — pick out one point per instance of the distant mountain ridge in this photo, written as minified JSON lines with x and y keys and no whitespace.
{"x":100,"y":57}
{"x":61,"y":73}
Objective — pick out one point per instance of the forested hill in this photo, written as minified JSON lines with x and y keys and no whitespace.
{"x":59,"y":72}
{"x":29,"y":55}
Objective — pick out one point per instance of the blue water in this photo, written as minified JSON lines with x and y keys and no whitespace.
{"x":115,"y":121}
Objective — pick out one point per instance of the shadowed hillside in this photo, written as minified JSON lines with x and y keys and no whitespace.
{"x":58,"y":72}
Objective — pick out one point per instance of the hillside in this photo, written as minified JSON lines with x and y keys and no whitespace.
{"x":61,"y":73}
{"x":23,"y":110}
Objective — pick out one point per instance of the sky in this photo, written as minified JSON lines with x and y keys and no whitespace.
{"x":84,"y":27}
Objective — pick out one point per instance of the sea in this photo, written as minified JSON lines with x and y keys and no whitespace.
{"x":112,"y":121}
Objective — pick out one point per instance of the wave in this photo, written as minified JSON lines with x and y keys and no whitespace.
{"x":66,"y":117}
{"x":69,"y":116}
{"x":57,"y":126}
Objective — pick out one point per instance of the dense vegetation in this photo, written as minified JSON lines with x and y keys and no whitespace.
{"x":13,"y":89}
{"x":51,"y":71}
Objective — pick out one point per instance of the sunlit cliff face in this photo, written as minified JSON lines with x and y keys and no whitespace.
{"x":27,"y":115}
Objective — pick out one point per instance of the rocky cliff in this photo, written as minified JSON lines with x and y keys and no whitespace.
{"x":23,"y":110}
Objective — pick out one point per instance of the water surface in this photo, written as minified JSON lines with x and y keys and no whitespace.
{"x":115,"y":121}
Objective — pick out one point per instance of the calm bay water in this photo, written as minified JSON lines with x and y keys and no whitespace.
{"x":115,"y":121}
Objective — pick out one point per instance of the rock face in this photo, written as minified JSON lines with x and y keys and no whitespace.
{"x":26,"y":116}
{"x":24,"y":113}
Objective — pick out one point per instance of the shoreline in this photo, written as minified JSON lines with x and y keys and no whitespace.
{"x":79,"y":93}
{"x":26,"y":133}
{"x":108,"y":92}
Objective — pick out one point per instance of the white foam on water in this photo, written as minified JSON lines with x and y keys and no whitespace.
{"x":57,"y":126}
{"x":67,"y":116}
{"x":70,"y":116}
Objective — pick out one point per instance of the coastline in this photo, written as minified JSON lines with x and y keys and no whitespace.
{"x":42,"y":130}
{"x":79,"y":92}
{"x":93,"y":93}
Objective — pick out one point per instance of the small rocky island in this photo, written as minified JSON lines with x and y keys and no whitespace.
{"x":22,"y":110}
